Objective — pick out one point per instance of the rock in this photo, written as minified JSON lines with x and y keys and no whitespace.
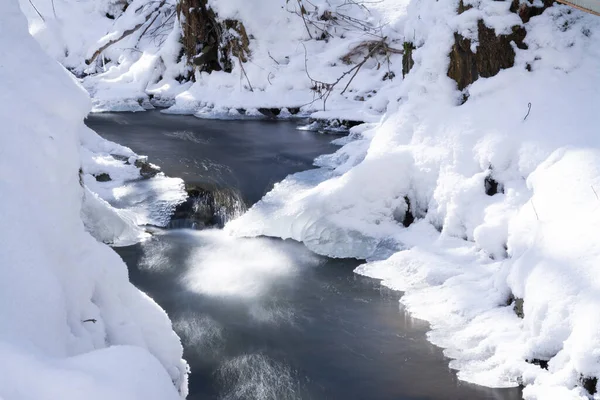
{"x":494,"y":53}
{"x":517,"y":304}
{"x":269,"y":112}
{"x":119,"y":157}
{"x":390,"y":75}
{"x":491,"y":186}
{"x":543,"y":364}
{"x":407,"y":58}
{"x":518,"y":307}
{"x":198,"y":208}
{"x":409,"y":218}
{"x":404,"y":215}
{"x":335,"y":125}
{"x":103,"y":177}
{"x":589,"y":384}
{"x":147,"y":170}
{"x":207,"y":207}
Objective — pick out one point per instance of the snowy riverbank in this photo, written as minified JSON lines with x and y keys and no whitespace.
{"x":74,"y":325}
{"x":471,"y":258}
{"x":474,"y":188}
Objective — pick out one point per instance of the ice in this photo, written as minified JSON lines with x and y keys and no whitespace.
{"x":107,"y":224}
{"x":115,"y":209}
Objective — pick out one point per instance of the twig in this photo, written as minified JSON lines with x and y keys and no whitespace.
{"x":302,"y":12}
{"x":359,"y":65}
{"x":325,"y":89}
{"x":594,"y":190}
{"x":54,"y":10}
{"x":528,"y":111}
{"x":246,"y":75}
{"x":37,"y":11}
{"x":276,"y":62}
{"x":534,"y":210}
{"x":148,"y":26}
{"x":125,"y":34}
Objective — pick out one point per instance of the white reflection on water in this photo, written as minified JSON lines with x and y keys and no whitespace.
{"x":244,"y":268}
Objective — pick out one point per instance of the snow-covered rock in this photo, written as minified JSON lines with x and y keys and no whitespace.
{"x":73,"y":325}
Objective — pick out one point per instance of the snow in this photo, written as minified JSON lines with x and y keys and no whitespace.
{"x":283,"y":59}
{"x":468,"y":257}
{"x":55,"y":277}
{"x":113,"y":211}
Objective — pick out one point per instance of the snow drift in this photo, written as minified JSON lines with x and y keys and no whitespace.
{"x":477,"y":196}
{"x":504,"y":192}
{"x":74,"y":327}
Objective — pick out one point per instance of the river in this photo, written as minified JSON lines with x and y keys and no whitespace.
{"x":264,"y":318}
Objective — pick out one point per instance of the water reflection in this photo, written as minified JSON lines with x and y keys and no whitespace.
{"x":263,"y":318}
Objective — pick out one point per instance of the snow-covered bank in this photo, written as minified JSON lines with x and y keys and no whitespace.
{"x":490,"y":142}
{"x":283,"y":66}
{"x":74,"y":327}
{"x":504,"y":189}
{"x":123,"y":191}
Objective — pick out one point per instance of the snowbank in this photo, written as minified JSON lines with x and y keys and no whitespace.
{"x":75,"y":327}
{"x":146,"y":69}
{"x":504,"y":189}
{"x":118,"y":199}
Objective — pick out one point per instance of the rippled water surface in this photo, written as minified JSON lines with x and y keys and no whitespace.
{"x":265,"y":318}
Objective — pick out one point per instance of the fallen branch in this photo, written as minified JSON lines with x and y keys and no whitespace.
{"x":358,"y":66}
{"x":37,"y":11}
{"x":126,"y":33}
{"x":276,"y":62}
{"x":325,"y":89}
{"x":148,"y":26}
{"x":246,"y":75}
{"x":302,"y":14}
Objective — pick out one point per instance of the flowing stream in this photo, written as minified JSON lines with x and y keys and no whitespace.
{"x":265,"y":318}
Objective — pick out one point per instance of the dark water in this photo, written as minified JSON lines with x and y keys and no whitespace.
{"x":247,"y":155}
{"x":265,"y":318}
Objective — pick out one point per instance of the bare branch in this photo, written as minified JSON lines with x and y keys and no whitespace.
{"x":126,"y":32}
{"x":302,"y":13}
{"x":37,"y":11}
{"x":276,"y":62}
{"x":54,"y":10}
{"x":324,"y":89}
{"x":246,"y":75}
